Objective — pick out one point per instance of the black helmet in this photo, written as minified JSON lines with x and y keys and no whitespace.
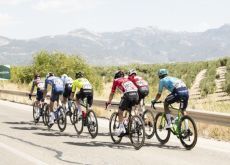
{"x":79,"y":74}
{"x":36,"y":76}
{"x":119,"y":74}
{"x":49,"y":74}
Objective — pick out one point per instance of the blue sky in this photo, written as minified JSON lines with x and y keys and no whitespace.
{"x":24,"y":19}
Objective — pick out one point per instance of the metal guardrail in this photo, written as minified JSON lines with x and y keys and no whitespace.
{"x":215,"y":118}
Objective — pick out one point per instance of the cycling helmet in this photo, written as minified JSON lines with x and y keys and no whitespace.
{"x":132,"y":71}
{"x":119,"y":74}
{"x":79,"y":74}
{"x":49,"y":74}
{"x":162,"y":73}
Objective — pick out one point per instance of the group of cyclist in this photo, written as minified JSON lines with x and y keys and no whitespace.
{"x":133,"y":87}
{"x":64,"y":86}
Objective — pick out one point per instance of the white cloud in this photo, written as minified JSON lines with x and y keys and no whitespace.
{"x":12,"y":2}
{"x":66,"y":6}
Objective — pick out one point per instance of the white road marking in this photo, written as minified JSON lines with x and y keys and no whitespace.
{"x":22,"y":154}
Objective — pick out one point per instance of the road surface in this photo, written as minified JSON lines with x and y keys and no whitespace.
{"x":22,"y":142}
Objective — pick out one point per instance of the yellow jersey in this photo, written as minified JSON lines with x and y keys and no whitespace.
{"x":81,"y":83}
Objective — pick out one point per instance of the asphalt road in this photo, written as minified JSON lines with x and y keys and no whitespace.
{"x":22,"y":142}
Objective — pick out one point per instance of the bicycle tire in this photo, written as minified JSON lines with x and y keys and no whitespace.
{"x":61,"y":119}
{"x":92,"y":124}
{"x":161,"y":127}
{"x":113,"y":125}
{"x":72,"y":109}
{"x":77,"y":121}
{"x":149,"y":124}
{"x":182,"y":135}
{"x":47,"y":115}
{"x":136,"y":127}
{"x":35,"y":113}
{"x":43,"y":113}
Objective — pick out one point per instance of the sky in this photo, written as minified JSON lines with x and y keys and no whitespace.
{"x":26,"y":19}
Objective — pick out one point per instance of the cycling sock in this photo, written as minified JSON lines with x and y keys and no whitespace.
{"x":168,"y":117}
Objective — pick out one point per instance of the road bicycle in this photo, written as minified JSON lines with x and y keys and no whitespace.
{"x":183,"y":127}
{"x":86,"y":118}
{"x":39,"y":112}
{"x":134,"y":127}
{"x":148,"y":118}
{"x":60,"y":117}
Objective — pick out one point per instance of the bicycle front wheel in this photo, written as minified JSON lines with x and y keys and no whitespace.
{"x":148,"y":119}
{"x":61,"y":119}
{"x":187,"y":132}
{"x":162,"y":134}
{"x":46,"y":114}
{"x":137,"y":132}
{"x":77,"y":120}
{"x":72,"y":109}
{"x":92,"y":123}
{"x":43,"y":113}
{"x":36,"y":113}
{"x":113,"y":125}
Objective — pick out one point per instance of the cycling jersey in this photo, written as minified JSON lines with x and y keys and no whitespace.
{"x":38,"y":83}
{"x":138,"y":81}
{"x":67,"y":80}
{"x":124,"y":85}
{"x":170,"y":83}
{"x":81,"y":83}
{"x":56,"y":83}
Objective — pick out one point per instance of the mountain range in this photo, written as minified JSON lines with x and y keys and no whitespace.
{"x":138,"y":45}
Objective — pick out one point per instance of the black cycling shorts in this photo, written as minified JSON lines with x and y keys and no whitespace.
{"x":128,"y":100}
{"x":39,"y":95}
{"x":85,"y":93}
{"x":67,"y":90}
{"x":143,"y":92}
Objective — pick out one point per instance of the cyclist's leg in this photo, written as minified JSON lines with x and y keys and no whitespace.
{"x":79,"y":95}
{"x":54,"y":97}
{"x":170,"y":99}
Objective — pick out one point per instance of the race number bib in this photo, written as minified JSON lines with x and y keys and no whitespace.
{"x":141,"y":83}
{"x":129,"y":86}
{"x":58,"y":82}
{"x":179,"y":84}
{"x":87,"y":86}
{"x":41,"y":86}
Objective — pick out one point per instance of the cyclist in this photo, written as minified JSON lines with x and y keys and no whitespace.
{"x":179,"y":93}
{"x":85,"y":90}
{"x":39,"y":84}
{"x":130,"y":97}
{"x":67,"y":82}
{"x":140,"y":83}
{"x":57,"y":89}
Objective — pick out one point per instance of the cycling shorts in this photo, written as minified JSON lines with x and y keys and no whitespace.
{"x":128,"y":100}
{"x":85,"y":93}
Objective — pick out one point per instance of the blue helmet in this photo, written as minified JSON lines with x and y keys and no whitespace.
{"x":162,"y":73}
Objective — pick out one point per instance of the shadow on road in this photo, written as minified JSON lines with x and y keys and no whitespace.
{"x":165,"y":146}
{"x":20,"y":122}
{"x":102,"y":144}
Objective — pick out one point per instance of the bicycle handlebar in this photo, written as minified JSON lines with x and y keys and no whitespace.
{"x":110,"y":104}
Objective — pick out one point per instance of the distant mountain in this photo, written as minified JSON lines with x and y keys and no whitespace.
{"x":139,"y":45}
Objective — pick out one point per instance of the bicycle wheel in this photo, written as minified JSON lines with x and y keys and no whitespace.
{"x":72,"y":109}
{"x":148,"y":119}
{"x":137,"y":132}
{"x":162,"y":134}
{"x":46,"y":114}
{"x":43,"y":113}
{"x":61,"y":119}
{"x":187,"y":132}
{"x":113,"y":125}
{"x":92,"y":123}
{"x":36,"y":113}
{"x":77,"y":121}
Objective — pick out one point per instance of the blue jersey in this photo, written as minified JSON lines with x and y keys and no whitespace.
{"x":170,"y":83}
{"x":56,"y":83}
{"x":67,"y":80}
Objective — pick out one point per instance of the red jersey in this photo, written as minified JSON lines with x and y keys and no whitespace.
{"x":124,"y":85}
{"x":138,"y":81}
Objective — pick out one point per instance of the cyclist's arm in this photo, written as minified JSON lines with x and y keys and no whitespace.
{"x":160,"y":89}
{"x":45,"y":88}
{"x":112,"y":92}
{"x":32,"y":88}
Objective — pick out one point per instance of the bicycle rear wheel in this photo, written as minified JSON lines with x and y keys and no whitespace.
{"x":43,"y":113}
{"x":46,"y":114}
{"x":72,"y":109}
{"x":187,"y":132}
{"x":92,"y":123}
{"x":36,"y":113}
{"x":162,"y":134}
{"x":61,"y":119}
{"x":137,"y":132}
{"x":148,"y":119}
{"x":113,"y":125}
{"x":77,"y":120}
